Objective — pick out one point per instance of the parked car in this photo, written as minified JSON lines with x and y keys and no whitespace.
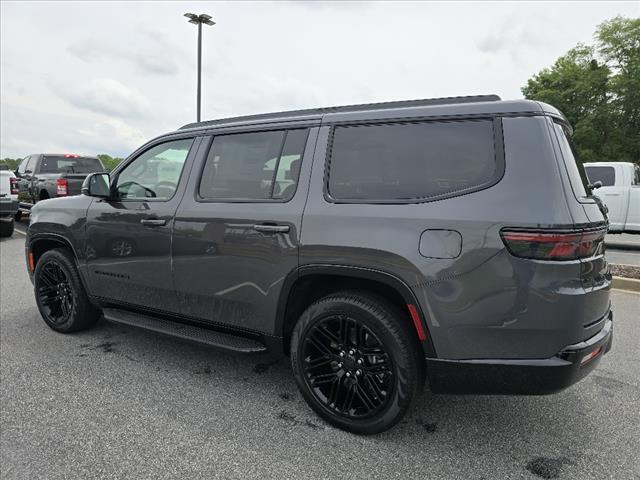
{"x":8,"y":202}
{"x":370,"y":243}
{"x":47,"y":175}
{"x":620,"y":192}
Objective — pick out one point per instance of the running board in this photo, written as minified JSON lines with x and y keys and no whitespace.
{"x":203,"y":336}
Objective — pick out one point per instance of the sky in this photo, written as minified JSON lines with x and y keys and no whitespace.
{"x":105,"y":77}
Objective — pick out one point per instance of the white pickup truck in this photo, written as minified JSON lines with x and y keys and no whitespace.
{"x":8,"y":202}
{"x":620,"y":192}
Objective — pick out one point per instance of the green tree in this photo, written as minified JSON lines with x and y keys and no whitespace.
{"x":9,"y":163}
{"x":598,"y":89}
{"x":109,"y":162}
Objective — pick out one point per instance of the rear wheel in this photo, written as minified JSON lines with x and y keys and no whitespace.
{"x":60,"y":294}
{"x":6,"y":228}
{"x":356,"y":362}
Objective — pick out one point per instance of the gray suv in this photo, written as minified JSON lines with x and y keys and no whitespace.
{"x":452,"y":240}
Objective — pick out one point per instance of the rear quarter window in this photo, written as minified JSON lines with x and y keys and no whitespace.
{"x":606,"y":175}
{"x":575,"y":167}
{"x":405,"y":162}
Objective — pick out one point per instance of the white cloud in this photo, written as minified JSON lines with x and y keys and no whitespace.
{"x":159,"y":56}
{"x":105,"y":76}
{"x":106,"y":96}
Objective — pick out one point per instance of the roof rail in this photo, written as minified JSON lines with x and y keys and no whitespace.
{"x":347,"y":108}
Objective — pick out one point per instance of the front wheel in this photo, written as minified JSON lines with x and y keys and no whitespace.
{"x":60,"y":294}
{"x":356,"y":361}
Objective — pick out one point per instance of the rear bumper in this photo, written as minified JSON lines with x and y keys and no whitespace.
{"x":8,"y":207}
{"x":521,"y":377}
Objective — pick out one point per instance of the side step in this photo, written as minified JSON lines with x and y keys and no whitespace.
{"x":203,"y":336}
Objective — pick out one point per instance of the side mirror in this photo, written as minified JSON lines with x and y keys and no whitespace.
{"x":595,"y":185}
{"x":97,"y":185}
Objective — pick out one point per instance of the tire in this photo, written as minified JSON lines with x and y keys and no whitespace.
{"x":60,"y":294}
{"x":6,"y":228}
{"x":18,"y":216}
{"x":364,"y":386}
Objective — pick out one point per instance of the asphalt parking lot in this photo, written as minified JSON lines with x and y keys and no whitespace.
{"x":115,"y":402}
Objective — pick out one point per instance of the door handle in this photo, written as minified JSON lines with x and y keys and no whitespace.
{"x":153,"y":222}
{"x":271,"y":228}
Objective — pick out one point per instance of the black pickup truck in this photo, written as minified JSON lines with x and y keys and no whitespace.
{"x":46,"y":175}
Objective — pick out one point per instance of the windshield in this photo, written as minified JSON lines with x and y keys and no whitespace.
{"x":575,"y":168}
{"x":62,"y":164}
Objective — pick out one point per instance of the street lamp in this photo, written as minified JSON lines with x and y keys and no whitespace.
{"x":199,"y":20}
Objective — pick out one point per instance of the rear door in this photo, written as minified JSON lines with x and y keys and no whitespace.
{"x":128,"y":247}
{"x":237,"y":231}
{"x":25,"y":177}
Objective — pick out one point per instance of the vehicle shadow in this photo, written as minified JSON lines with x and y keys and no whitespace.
{"x":523,"y":425}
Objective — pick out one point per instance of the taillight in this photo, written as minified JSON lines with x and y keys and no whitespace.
{"x":553,"y":245}
{"x":62,"y":187}
{"x":14,"y":185}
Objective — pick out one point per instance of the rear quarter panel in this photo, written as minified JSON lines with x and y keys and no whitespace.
{"x":484,"y":303}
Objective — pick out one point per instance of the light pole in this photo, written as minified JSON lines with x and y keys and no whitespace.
{"x":199,"y":20}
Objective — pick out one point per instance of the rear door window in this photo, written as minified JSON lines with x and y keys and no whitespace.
{"x":606,"y":175}
{"x":253,"y":166}
{"x":411,"y":161}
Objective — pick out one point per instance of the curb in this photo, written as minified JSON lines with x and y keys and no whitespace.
{"x":629,"y":284}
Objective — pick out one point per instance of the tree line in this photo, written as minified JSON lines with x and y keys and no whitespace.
{"x":597,"y":87}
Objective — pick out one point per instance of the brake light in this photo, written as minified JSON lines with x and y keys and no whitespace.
{"x":62,"y":187}
{"x":14,"y":185}
{"x":553,"y":245}
{"x":71,"y":155}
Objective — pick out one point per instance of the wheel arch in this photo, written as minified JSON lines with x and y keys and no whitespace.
{"x":308,"y":283}
{"x":43,"y":242}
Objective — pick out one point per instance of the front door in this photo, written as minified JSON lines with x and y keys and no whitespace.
{"x":128,"y":247}
{"x":236,"y":240}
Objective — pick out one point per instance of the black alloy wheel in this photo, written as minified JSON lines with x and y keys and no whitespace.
{"x":55,"y":293}
{"x":60,"y":294}
{"x":357,"y":361}
{"x":347,"y":367}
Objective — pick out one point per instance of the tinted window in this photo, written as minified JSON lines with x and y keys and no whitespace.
{"x":411,"y":161}
{"x":575,"y":168}
{"x":636,"y":178}
{"x":62,"y":164}
{"x":253,"y":166}
{"x":155,"y":173}
{"x":607,"y":175}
